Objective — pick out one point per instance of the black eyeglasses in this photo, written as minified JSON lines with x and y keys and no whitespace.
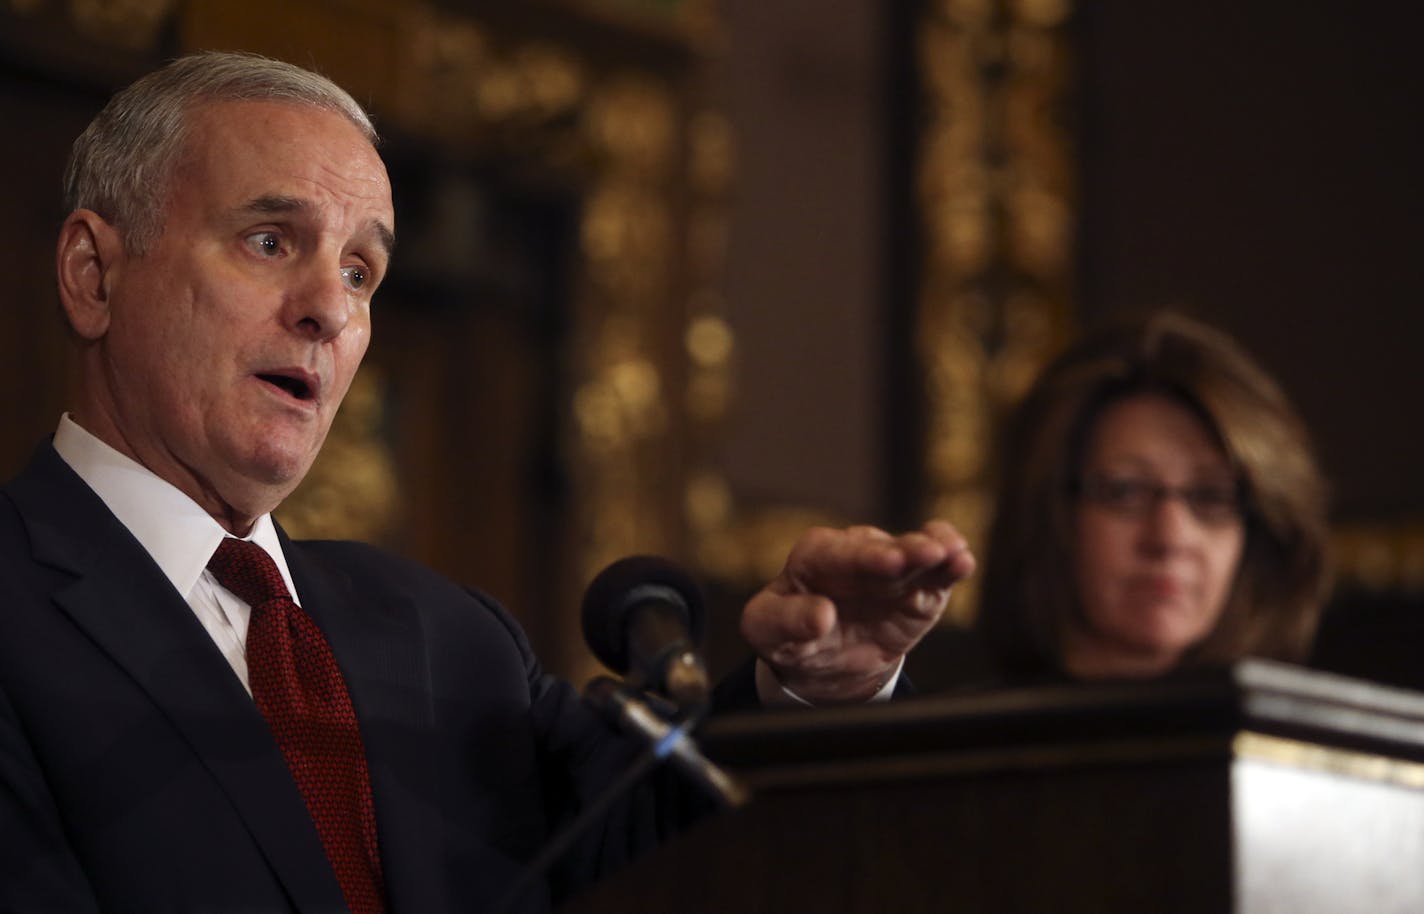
{"x":1136,"y":497}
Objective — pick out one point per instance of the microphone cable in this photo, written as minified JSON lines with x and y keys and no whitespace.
{"x":665,"y":741}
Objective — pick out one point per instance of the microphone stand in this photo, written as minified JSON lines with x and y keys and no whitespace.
{"x":670,"y":742}
{"x":665,"y":742}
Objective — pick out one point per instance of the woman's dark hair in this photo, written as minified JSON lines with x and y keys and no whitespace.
{"x":1030,"y":597}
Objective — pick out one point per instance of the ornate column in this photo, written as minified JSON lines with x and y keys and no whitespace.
{"x":996,"y":197}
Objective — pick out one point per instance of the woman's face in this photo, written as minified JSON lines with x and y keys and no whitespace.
{"x":1159,"y":535}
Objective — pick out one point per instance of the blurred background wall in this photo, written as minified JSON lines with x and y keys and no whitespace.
{"x":683,"y":276}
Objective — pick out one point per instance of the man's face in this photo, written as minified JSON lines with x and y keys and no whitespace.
{"x":233,"y":339}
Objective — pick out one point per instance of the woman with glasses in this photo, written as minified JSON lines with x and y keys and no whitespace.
{"x":1159,"y":507}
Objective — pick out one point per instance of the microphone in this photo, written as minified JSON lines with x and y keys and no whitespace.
{"x":643,"y":617}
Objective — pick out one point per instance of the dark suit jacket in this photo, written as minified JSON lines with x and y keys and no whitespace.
{"x":136,"y":774}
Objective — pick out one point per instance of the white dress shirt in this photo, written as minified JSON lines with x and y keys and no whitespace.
{"x":179,"y":535}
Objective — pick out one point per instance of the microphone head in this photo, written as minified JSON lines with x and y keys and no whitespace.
{"x":630,"y":582}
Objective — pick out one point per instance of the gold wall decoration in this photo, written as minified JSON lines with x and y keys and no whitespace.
{"x":131,"y":24}
{"x":124,"y":25}
{"x":996,"y":197}
{"x":994,"y":192}
{"x":710,"y":343}
{"x":1380,"y":558}
{"x":351,"y":491}
{"x":697,"y":22}
{"x":626,"y":383}
{"x":737,"y":544}
{"x":463,"y":84}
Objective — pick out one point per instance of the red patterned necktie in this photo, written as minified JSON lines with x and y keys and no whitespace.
{"x":299,"y":689}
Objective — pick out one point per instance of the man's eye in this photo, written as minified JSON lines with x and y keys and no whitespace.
{"x":354,"y":277}
{"x":268,"y":244}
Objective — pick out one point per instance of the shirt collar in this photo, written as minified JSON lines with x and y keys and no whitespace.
{"x":171,"y":527}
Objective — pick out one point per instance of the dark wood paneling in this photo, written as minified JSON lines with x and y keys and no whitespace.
{"x":1258,"y":163}
{"x":42,"y":117}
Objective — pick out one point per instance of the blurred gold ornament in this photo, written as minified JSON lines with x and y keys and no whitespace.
{"x":351,"y":491}
{"x":131,"y":24}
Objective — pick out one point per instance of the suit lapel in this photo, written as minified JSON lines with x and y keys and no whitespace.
{"x":376,"y":635}
{"x":118,"y":595}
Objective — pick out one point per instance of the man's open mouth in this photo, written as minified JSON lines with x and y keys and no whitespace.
{"x":294,"y":386}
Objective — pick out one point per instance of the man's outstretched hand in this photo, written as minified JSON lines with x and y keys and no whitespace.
{"x":836,"y":622}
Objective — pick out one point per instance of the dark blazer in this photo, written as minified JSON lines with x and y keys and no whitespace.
{"x":136,"y":774}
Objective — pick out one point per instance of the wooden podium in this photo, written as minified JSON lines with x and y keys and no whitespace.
{"x":1257,"y":788}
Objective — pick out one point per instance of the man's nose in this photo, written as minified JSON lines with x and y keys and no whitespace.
{"x":320,"y":305}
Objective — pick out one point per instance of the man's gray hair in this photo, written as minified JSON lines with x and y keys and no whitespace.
{"x":120,"y":166}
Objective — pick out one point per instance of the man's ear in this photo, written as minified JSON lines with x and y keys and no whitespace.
{"x":89,"y":259}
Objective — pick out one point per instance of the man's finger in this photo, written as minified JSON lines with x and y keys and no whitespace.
{"x":772,"y":620}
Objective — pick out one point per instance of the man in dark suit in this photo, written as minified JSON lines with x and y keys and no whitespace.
{"x":198,"y":714}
